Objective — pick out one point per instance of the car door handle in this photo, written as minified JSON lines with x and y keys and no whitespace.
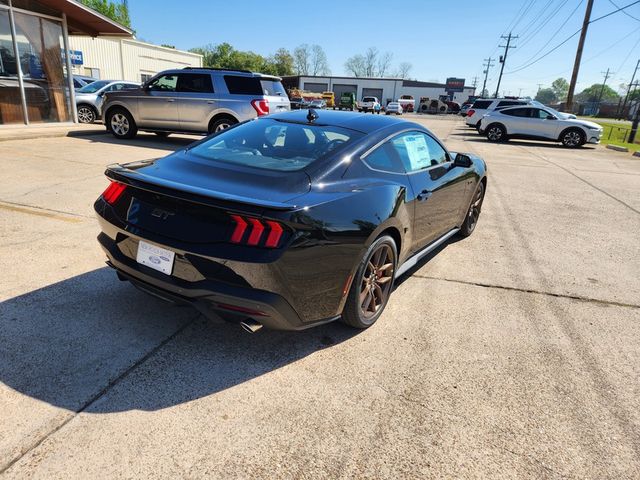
{"x":424,"y":195}
{"x":211,"y":102}
{"x":171,"y":99}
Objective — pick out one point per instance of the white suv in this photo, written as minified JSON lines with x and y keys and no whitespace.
{"x":538,"y":123}
{"x":484,"y":105}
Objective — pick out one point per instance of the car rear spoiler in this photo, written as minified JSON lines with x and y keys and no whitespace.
{"x":131,"y":176}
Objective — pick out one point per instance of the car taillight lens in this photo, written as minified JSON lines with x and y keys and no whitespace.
{"x":261,"y":107}
{"x":470,"y":113}
{"x":113,"y":192}
{"x":256,"y":229}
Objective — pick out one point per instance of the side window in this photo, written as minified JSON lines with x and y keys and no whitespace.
{"x":541,"y":114}
{"x":385,"y":158}
{"x":517,"y":112}
{"x":195,"y":83}
{"x":418,"y":151}
{"x":165,"y":83}
{"x":240,"y":85}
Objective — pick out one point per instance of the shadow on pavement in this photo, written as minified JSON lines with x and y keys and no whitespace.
{"x":67,"y":343}
{"x":148,"y":140}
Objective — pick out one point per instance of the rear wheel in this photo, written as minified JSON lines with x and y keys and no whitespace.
{"x":221,"y":124}
{"x":573,"y":138}
{"x":372,"y":284}
{"x":496,"y":133}
{"x":473,"y":214}
{"x":121,"y":123}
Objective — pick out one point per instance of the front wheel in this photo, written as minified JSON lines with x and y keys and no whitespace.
{"x":473,"y":214}
{"x":86,"y":114}
{"x":372,"y":284}
{"x":573,"y":138}
{"x":121,"y":123}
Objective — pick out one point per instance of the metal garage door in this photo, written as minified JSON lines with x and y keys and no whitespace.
{"x":316,"y":87}
{"x":372,"y":92}
{"x":340,"y":88}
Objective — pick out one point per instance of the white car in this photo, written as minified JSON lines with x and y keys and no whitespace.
{"x":538,"y":123}
{"x":393,"y":107}
{"x":485,"y":105}
{"x":368,"y":104}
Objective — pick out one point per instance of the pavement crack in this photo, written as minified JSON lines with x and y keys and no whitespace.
{"x":531,"y":290}
{"x":583,"y":180}
{"x":112,"y":383}
{"x":533,"y":460}
{"x":43,"y":212}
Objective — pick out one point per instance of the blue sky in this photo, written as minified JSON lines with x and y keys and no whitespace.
{"x":439,"y":38}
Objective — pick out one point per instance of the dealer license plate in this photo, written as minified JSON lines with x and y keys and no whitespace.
{"x":155,"y":257}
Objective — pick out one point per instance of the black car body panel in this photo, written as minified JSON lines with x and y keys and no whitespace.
{"x":329,"y":212}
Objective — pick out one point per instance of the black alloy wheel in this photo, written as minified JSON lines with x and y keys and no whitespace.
{"x":573,"y":138}
{"x":372,"y":284}
{"x":221,"y":124}
{"x":496,"y":133}
{"x":473,"y":214}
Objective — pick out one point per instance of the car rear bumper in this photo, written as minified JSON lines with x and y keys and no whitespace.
{"x":213,"y":298}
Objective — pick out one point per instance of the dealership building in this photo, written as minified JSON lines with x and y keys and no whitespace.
{"x":125,"y":58}
{"x":385,"y":89}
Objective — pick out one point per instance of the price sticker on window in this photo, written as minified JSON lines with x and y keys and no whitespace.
{"x":417,"y":151}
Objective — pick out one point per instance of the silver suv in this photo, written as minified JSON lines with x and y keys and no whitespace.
{"x":193,"y":100}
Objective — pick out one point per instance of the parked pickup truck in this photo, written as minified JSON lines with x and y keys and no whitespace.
{"x":368,"y":104}
{"x":407,"y":102}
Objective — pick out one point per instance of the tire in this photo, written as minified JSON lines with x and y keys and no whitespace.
{"x":220,"y":124}
{"x":162,"y":134}
{"x":370,"y":290}
{"x":121,"y":124}
{"x":473,"y":212}
{"x":86,"y":114}
{"x":496,"y":133}
{"x":573,"y":138}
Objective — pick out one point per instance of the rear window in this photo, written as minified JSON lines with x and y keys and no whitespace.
{"x":272,"y":145}
{"x":369,"y":99}
{"x":238,"y":85}
{"x":195,"y":83}
{"x":272,"y":87}
{"x":482,"y":104}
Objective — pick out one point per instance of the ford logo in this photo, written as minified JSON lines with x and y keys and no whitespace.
{"x":154,"y":259}
{"x":164,"y":258}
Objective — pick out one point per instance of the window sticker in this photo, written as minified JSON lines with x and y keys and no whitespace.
{"x":417,"y":151}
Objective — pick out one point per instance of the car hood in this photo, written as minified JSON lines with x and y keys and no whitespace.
{"x":585,"y":123}
{"x":190,"y":173}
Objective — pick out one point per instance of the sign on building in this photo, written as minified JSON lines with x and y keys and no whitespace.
{"x":454,"y":84}
{"x":75,"y":56}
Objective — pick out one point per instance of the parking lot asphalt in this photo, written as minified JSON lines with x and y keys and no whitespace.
{"x":514,"y":353}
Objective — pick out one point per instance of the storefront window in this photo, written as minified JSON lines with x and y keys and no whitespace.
{"x":10,"y":100}
{"x":40,"y":52}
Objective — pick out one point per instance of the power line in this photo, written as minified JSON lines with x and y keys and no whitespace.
{"x":570,"y":37}
{"x":552,"y":14}
{"x":628,"y":55}
{"x":624,"y":11}
{"x":519,"y":15}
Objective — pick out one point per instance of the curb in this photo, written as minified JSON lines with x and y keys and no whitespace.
{"x":64,"y":133}
{"x":617,"y":148}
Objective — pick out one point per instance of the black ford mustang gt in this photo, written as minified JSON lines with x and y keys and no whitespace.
{"x":290,"y":220}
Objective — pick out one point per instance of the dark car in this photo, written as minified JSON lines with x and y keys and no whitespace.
{"x":291,"y":220}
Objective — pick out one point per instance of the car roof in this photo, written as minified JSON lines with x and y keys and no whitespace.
{"x":352,"y":120}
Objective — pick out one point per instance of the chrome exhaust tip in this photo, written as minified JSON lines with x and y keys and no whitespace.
{"x":250,"y":325}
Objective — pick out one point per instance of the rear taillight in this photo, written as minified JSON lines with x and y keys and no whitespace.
{"x":470,"y":113}
{"x":113,"y":192}
{"x":261,"y":107}
{"x":251,"y":231}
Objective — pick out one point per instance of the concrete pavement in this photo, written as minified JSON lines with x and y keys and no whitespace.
{"x":512,"y":354}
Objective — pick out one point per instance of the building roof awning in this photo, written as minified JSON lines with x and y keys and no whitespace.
{"x":82,"y":20}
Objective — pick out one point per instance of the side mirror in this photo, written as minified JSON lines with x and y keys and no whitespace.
{"x":462,"y":160}
{"x":550,"y":117}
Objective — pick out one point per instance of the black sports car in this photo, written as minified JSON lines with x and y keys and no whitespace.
{"x":290,"y":220}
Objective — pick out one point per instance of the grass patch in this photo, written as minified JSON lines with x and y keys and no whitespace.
{"x":616,"y":134}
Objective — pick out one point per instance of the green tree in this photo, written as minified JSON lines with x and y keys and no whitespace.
{"x":281,"y":62}
{"x":592,"y":93}
{"x":561,"y":88}
{"x":225,"y":56}
{"x":546,"y":96}
{"x":115,"y":10}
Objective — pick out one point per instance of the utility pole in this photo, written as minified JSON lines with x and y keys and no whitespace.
{"x":503,"y":58}
{"x":634,"y":125}
{"x":576,"y":64}
{"x":475,"y":82}
{"x":487,"y":66}
{"x":626,"y":97}
{"x":606,"y":77}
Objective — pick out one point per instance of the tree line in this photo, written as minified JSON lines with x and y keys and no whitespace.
{"x":559,"y":88}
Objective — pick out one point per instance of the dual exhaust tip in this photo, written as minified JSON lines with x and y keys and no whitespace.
{"x":250,"y":325}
